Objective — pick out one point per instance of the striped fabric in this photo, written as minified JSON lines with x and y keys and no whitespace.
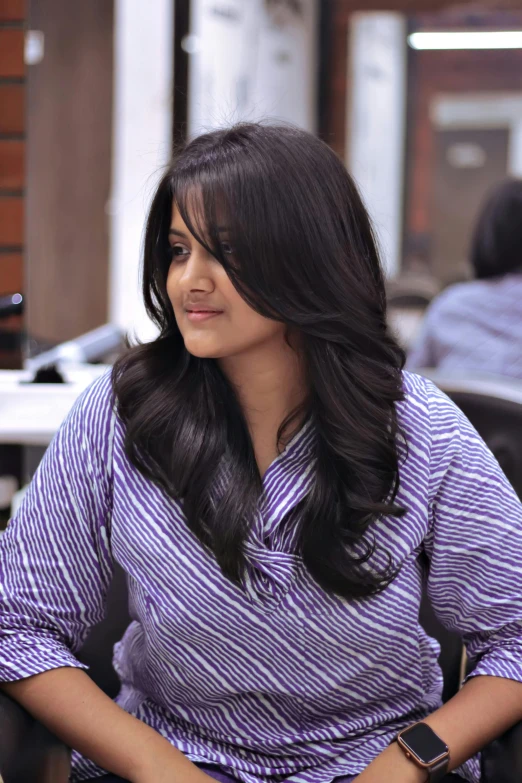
{"x":274,"y":679}
{"x":474,"y":327}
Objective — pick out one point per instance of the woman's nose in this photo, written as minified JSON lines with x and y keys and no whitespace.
{"x":197,"y":274}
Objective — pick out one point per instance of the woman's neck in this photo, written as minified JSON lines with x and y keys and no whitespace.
{"x":270,"y":384}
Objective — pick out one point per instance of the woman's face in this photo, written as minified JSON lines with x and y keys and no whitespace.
{"x":214,"y":320}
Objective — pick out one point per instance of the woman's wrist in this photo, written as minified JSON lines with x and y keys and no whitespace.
{"x":392,"y":766}
{"x":166,"y":764}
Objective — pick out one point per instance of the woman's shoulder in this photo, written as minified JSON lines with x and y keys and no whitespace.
{"x":433,"y":425}
{"x":425,"y":409}
{"x":98,"y":396}
{"x":420,"y":393}
{"x":94,"y":412}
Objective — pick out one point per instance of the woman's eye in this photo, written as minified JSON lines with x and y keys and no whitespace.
{"x":178,"y":251}
{"x":227,"y":248}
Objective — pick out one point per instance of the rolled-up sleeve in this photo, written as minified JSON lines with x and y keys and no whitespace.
{"x":55,"y":558}
{"x":474,"y":545}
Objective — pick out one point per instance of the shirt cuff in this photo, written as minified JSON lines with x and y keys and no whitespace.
{"x":503,"y":661}
{"x":24,"y":657}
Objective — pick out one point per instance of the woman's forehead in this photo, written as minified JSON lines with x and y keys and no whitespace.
{"x":176,"y":220}
{"x":192,"y":216}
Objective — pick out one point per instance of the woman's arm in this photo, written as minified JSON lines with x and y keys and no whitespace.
{"x":69,"y":703}
{"x":483,"y":710}
{"x":55,"y":568}
{"x":474,"y":549}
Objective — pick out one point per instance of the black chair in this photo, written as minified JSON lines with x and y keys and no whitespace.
{"x":409,"y":300}
{"x":411,"y":292}
{"x":29,"y":754}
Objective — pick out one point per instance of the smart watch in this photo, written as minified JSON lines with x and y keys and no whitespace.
{"x":425,"y":749}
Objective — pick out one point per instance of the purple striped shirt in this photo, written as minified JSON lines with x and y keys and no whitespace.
{"x":474,"y":327}
{"x":273,"y":678}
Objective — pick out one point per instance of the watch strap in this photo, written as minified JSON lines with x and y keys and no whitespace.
{"x":438,"y":771}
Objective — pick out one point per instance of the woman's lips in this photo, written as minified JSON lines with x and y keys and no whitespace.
{"x":197,"y":316}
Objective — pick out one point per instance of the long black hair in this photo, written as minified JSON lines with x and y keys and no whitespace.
{"x":496,"y":246}
{"x":304,"y":255}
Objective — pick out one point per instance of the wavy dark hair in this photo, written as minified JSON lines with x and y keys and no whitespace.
{"x":496,"y":245}
{"x":307,"y":257}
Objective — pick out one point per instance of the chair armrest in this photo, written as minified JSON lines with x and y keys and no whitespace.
{"x":502,"y":760}
{"x":28,"y":752}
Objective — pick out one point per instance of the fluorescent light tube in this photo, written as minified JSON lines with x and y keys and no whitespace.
{"x":462,"y":39}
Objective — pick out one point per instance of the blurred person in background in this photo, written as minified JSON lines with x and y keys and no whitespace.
{"x":279,"y":493}
{"x":477,"y":326}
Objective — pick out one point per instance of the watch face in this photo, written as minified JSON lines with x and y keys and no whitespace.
{"x":423,"y":743}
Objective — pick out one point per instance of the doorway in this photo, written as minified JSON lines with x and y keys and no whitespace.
{"x":467,"y":164}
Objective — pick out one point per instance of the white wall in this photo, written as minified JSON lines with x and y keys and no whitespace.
{"x":246,"y":65}
{"x":376,"y":122}
{"x":142,"y":129}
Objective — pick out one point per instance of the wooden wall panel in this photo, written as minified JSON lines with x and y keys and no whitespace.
{"x":11,"y":221}
{"x":69,"y":127}
{"x":10,"y":359}
{"x":11,"y":273}
{"x":12,"y":53}
{"x":12,"y":163}
{"x":12,"y":10}
{"x":12,"y":109}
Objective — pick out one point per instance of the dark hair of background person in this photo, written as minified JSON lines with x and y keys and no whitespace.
{"x":304,"y":255}
{"x":496,"y":246}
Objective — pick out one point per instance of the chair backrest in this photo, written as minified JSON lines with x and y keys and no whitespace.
{"x":98,"y":648}
{"x":451,"y":649}
{"x":411,"y":291}
{"x":409,"y":299}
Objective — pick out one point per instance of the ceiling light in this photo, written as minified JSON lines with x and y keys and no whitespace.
{"x":483,"y":39}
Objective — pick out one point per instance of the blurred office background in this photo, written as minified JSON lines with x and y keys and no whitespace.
{"x":94,"y":94}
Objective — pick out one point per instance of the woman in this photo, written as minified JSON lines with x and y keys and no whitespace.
{"x":477,"y":326}
{"x":279,"y":493}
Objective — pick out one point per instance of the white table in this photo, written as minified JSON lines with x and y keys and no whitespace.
{"x":31,"y":413}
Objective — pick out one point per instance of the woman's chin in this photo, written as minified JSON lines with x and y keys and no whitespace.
{"x":202,"y":349}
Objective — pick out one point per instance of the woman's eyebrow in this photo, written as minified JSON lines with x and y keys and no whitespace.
{"x":176,"y":232}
